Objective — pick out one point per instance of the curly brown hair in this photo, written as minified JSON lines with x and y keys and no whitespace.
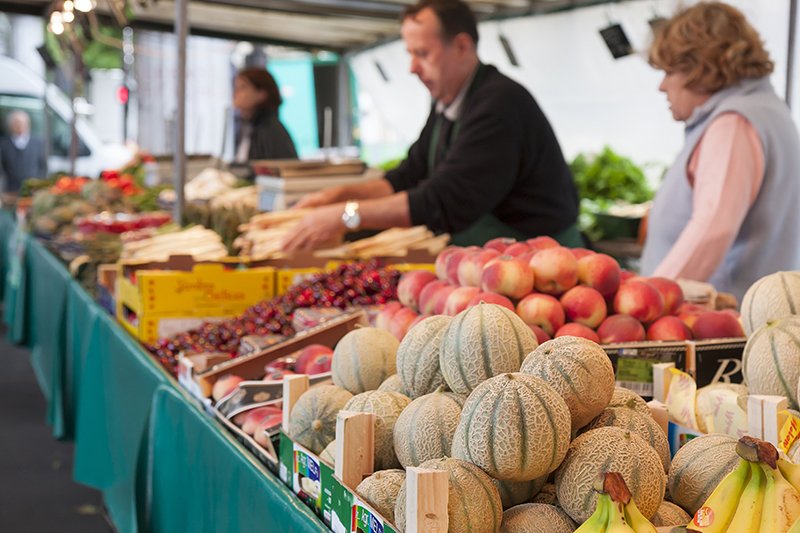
{"x":713,"y":44}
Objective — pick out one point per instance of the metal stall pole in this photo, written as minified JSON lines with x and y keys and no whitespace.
{"x":344,"y":103}
{"x":790,"y":52}
{"x":179,"y":158}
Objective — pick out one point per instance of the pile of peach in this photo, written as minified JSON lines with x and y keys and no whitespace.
{"x":556,"y":291}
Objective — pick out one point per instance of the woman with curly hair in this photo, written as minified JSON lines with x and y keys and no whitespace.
{"x":728,"y":211}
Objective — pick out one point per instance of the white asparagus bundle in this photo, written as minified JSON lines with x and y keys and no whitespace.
{"x":196,"y":241}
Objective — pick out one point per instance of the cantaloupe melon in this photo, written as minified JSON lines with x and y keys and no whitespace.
{"x":770,"y":298}
{"x":536,"y":518}
{"x":483,"y":341}
{"x":636,"y":422}
{"x":473,"y":501}
{"x":771,"y":359}
{"x":329,"y":453}
{"x":380,"y":490}
{"x":424,"y":430}
{"x":609,"y":449}
{"x":623,"y":397}
{"x":386,"y":406}
{"x":393,"y":384}
{"x":698,"y":467}
{"x":513,"y":426}
{"x":518,"y":492}
{"x":363,"y":359}
{"x":313,"y":418}
{"x":418,"y":356}
{"x":547,"y":495}
{"x":669,"y":514}
{"x":579,"y":370}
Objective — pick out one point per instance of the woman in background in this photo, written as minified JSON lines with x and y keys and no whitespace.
{"x":261,"y":136}
{"x":727,"y":211}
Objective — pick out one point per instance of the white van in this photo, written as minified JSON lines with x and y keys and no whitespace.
{"x":21,"y":88}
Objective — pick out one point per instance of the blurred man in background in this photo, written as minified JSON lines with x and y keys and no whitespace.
{"x":22,"y":155}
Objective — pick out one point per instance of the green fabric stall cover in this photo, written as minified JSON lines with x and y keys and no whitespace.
{"x":48,"y":282}
{"x":14,"y":294}
{"x":7,"y":227}
{"x":117,"y":383}
{"x":200,"y":479}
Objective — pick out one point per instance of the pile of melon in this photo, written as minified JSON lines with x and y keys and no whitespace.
{"x":523,"y":429}
{"x":557,"y":292}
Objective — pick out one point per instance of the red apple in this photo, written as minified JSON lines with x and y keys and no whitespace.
{"x":491,"y":298}
{"x":410,"y":286}
{"x":671,"y":293}
{"x":508,"y":276}
{"x":254,"y":416}
{"x":541,"y":335}
{"x":555,"y":270}
{"x":620,"y":328}
{"x":319,"y":365}
{"x":459,"y":299}
{"x":401,"y":322}
{"x":225,"y":385}
{"x":541,"y":310}
{"x":668,"y":328}
{"x":717,"y":325}
{"x":267,"y":423}
{"x":308,"y":353}
{"x":640,"y":300}
{"x":601,"y":272}
{"x":470,"y":268}
{"x":584,"y":305}
{"x":573,"y":329}
{"x":499,"y":244}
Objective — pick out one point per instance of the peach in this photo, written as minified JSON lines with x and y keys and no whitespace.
{"x":671,"y":293}
{"x":620,"y":328}
{"x":640,"y":300}
{"x":441,"y":260}
{"x":459,"y":299}
{"x":470,"y":268}
{"x":585,"y":306}
{"x":541,"y":310}
{"x":599,"y":271}
{"x":717,"y":325}
{"x":580,"y":253}
{"x":542,"y":243}
{"x":429,"y":296}
{"x":270,"y":422}
{"x":508,"y":276}
{"x":574,"y":329}
{"x":626,"y":275}
{"x":517,"y":249}
{"x":668,"y":328}
{"x":411,"y":284}
{"x":555,"y":270}
{"x":320,"y":364}
{"x":688,"y":313}
{"x":310,"y":352}
{"x":417,"y":320}
{"x":384,"y":316}
{"x":733,"y":312}
{"x":225,"y":385}
{"x":491,"y":298}
{"x":401,"y":322}
{"x":254,"y":416}
{"x":541,"y":335}
{"x":499,"y":244}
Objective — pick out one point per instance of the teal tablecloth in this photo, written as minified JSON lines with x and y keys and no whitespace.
{"x":160,"y":462}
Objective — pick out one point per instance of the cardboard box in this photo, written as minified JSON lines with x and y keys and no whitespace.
{"x":708,"y":361}
{"x":159,"y":299}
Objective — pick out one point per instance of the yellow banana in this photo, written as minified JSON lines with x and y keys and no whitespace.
{"x":718,"y":511}
{"x":791,"y":472}
{"x":616,"y":519}
{"x":781,"y":506}
{"x":597,"y":522}
{"x":748,"y":512}
{"x":796,"y":527}
{"x":636,"y":519}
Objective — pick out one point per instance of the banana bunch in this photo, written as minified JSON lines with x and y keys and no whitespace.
{"x":757,"y":497}
{"x":616,"y":512}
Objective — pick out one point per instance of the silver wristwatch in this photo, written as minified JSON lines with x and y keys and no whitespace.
{"x":351,"y":216}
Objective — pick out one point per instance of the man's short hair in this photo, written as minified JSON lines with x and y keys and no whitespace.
{"x":454,"y":17}
{"x":18,"y":114}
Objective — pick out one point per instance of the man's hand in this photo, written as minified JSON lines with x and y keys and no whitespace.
{"x":319,"y":198}
{"x":322,"y":225}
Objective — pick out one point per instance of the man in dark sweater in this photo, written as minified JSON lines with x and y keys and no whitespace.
{"x":487,"y":163}
{"x":21,"y":154}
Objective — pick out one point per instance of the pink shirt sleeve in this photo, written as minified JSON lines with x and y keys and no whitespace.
{"x":726,"y":171}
